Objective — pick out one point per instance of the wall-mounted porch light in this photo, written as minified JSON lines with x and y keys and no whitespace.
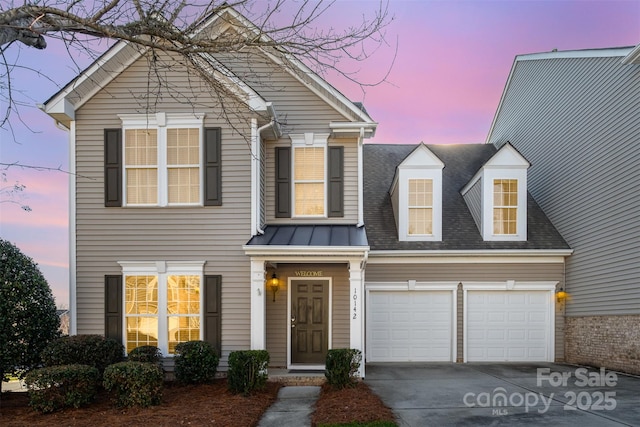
{"x":561,"y":295}
{"x":275,"y":285}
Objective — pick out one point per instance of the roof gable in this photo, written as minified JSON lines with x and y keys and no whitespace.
{"x":62,"y":105}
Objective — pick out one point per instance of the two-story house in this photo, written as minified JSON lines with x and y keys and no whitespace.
{"x":574,"y":115}
{"x":250,"y":222}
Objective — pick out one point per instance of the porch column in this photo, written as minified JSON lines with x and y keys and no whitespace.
{"x":356,"y":309}
{"x":258,"y":313}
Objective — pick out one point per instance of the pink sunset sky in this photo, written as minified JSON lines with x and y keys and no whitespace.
{"x":453,"y":59}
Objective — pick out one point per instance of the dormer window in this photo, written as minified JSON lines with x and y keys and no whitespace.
{"x":497,"y":196}
{"x":420,"y":221}
{"x":416,"y":196}
{"x":505,"y":206}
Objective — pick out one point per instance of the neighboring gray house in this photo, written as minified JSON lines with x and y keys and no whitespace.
{"x":576,"y":116}
{"x":281,"y":230}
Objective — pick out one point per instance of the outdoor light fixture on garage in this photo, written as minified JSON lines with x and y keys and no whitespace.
{"x":274,"y":284}
{"x":561,"y":295}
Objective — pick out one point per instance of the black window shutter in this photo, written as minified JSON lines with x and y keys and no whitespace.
{"x":336,"y":181}
{"x":113,"y":167}
{"x":212,"y":311}
{"x":283,"y":182}
{"x":212,"y":167}
{"x":113,"y":304}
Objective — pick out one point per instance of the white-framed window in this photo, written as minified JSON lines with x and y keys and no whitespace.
{"x":420,"y":206}
{"x":162,"y":159}
{"x":416,"y":196}
{"x":162,"y":304}
{"x":309,"y":175}
{"x":505,"y":206}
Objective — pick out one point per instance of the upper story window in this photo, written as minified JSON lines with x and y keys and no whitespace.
{"x":505,"y":206}
{"x":309,"y":178}
{"x":416,"y":196}
{"x":497,"y":196}
{"x":420,"y":207}
{"x":309,"y":181}
{"x":162,"y":159}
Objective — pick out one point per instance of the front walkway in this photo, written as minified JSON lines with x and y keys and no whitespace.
{"x":478,"y":394}
{"x":293,"y":408}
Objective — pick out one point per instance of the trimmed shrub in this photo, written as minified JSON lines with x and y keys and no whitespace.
{"x":92,"y":350}
{"x":342,"y":367}
{"x":147,"y":354}
{"x":247,"y":371}
{"x":58,"y":387}
{"x":134,"y":383}
{"x":196,"y":362}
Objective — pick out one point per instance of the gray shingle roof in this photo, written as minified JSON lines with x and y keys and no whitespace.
{"x":459,"y":231}
{"x":311,"y":235}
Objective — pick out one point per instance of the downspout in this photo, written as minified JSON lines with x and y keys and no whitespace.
{"x":360,"y":179}
{"x":255,"y":171}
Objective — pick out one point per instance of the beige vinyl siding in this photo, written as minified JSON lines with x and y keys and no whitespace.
{"x":473,"y":272}
{"x":213,"y":234}
{"x":576,"y":120}
{"x":350,"y":184}
{"x":276,"y":312}
{"x":299,"y":108}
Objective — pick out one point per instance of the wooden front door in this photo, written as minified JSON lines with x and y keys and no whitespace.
{"x":309,"y":321}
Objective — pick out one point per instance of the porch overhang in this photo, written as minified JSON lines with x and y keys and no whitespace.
{"x":300,"y":242}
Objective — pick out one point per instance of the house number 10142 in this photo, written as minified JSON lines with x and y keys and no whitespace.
{"x":355,"y":303}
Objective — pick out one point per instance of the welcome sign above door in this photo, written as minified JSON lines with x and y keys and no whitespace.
{"x":308,"y":273}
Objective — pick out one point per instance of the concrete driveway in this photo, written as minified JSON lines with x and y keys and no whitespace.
{"x":482,"y":394}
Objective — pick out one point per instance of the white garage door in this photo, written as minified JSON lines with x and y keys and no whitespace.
{"x":409,"y":326}
{"x":510,"y":326}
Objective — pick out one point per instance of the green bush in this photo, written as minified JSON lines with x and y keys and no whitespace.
{"x":342,"y":366}
{"x":58,"y":387}
{"x":28,"y":319}
{"x":247,"y":370}
{"x":134,"y":383}
{"x":92,"y":350}
{"x":196,"y":362}
{"x":147,"y":354}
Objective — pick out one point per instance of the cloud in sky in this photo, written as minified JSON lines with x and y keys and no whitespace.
{"x":453,"y":59}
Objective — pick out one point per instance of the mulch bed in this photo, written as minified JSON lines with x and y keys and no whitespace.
{"x":197,"y":405}
{"x":351,"y":404}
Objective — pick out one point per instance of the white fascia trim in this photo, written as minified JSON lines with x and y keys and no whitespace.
{"x":54,"y":105}
{"x":586,"y":53}
{"x":470,"y":256}
{"x":632,"y":57}
{"x":73,"y":288}
{"x":360,"y":129}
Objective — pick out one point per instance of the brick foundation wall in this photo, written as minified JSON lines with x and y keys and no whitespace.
{"x":612,"y":342}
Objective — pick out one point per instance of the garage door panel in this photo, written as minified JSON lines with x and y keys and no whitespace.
{"x":420,"y":326}
{"x":516,"y":330}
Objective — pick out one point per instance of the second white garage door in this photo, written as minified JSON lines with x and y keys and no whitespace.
{"x":508,"y":326}
{"x":410,"y":326}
